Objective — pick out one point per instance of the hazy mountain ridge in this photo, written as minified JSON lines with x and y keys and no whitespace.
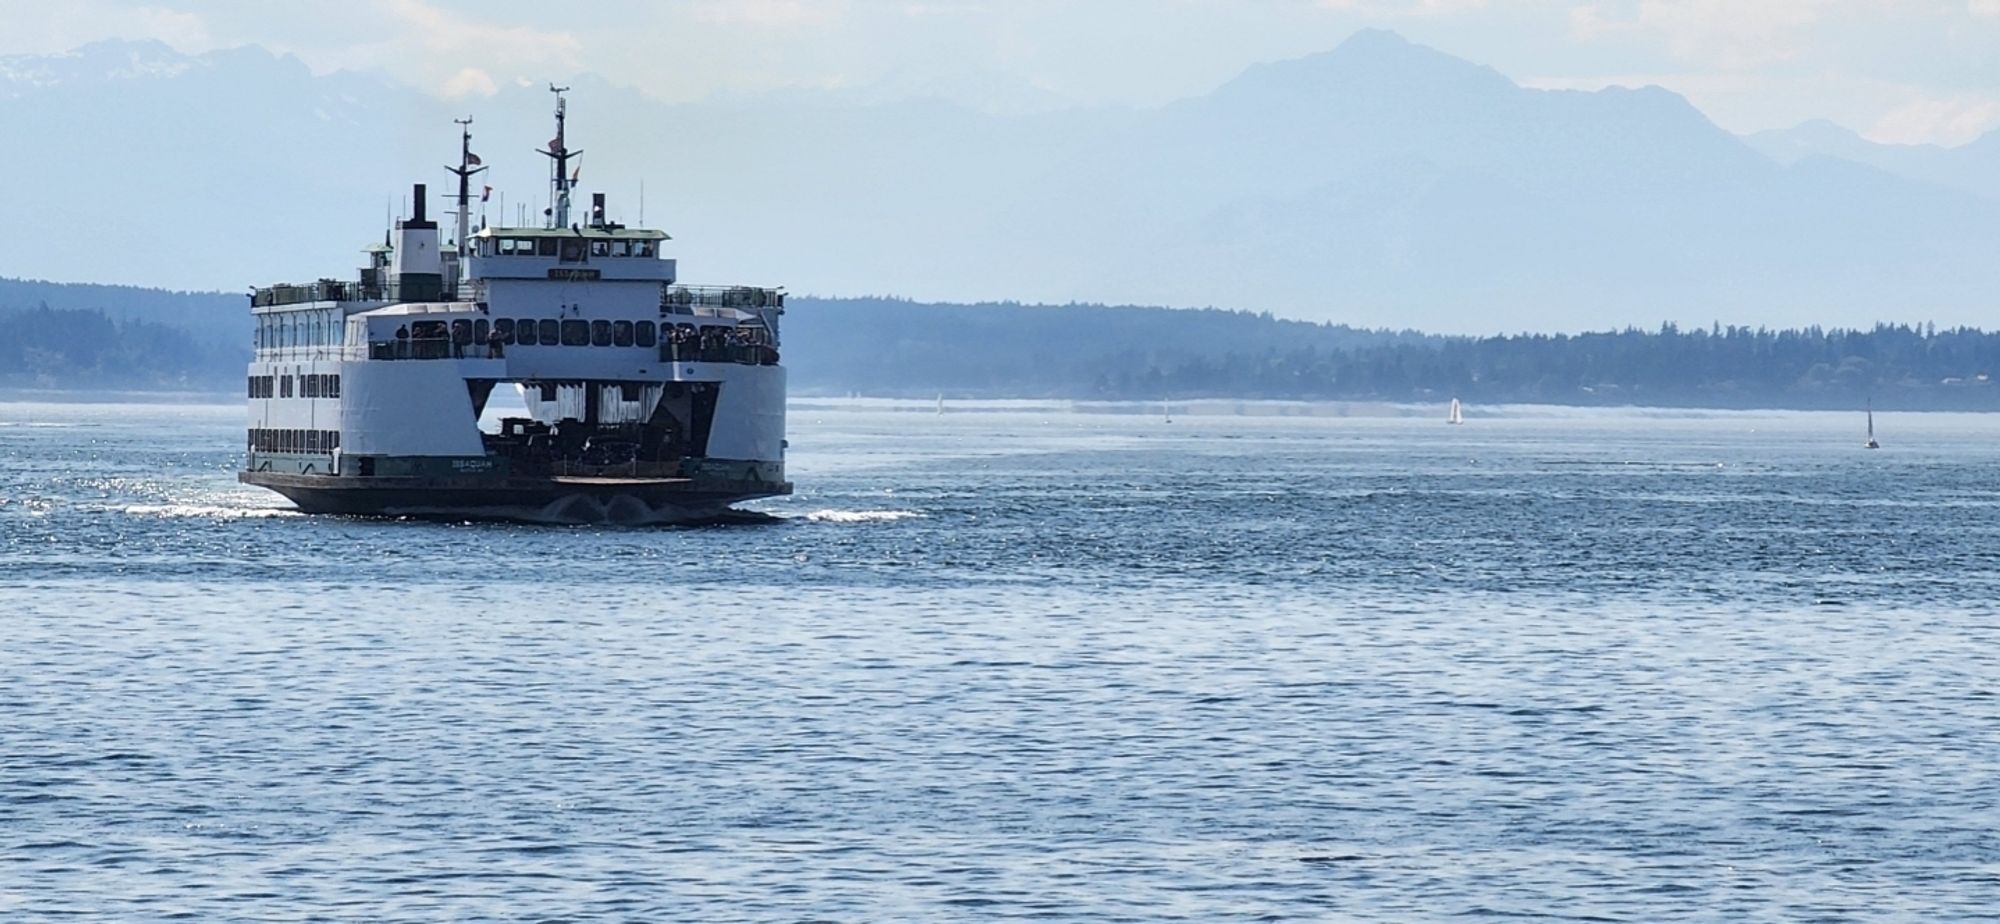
{"x":1380,"y":183}
{"x":1973,"y":167}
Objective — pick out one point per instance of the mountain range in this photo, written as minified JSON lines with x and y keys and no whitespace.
{"x":1379,"y":184}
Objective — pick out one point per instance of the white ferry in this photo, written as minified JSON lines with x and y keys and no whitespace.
{"x":646,"y":401}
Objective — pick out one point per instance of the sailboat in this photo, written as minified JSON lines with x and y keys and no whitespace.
{"x":940,"y":404}
{"x":1456,"y":415}
{"x":1871,"y":444}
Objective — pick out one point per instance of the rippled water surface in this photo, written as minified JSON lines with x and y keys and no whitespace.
{"x":1026,"y":662}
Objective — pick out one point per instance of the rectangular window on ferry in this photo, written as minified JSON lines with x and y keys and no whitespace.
{"x":550,"y":331}
{"x":621,"y":333}
{"x":504,"y":329}
{"x":575,"y":333}
{"x":643,"y":333}
{"x":600,"y":333}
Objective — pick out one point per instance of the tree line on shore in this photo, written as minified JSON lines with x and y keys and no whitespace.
{"x":886,"y":346}
{"x":70,"y":349}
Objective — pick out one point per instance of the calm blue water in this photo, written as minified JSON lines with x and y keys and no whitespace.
{"x":1026,"y":663}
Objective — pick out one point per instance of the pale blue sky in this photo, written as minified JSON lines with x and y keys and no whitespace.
{"x":1896,"y":70}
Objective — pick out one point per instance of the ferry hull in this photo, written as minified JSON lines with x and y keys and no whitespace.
{"x":557,"y":500}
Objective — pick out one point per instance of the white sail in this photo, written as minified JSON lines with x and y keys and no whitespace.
{"x":1456,"y":415}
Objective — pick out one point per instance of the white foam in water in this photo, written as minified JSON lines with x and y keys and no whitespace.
{"x":208,"y":511}
{"x":860,"y":516}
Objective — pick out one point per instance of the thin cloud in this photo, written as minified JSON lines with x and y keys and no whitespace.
{"x":1948,"y":121}
{"x":767,"y":14}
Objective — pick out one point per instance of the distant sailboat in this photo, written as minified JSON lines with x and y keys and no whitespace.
{"x":1871,"y":444}
{"x":1456,"y":415}
{"x":1167,"y":411}
{"x":940,"y":406}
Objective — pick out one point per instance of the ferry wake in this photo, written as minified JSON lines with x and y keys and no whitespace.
{"x":647,"y":401}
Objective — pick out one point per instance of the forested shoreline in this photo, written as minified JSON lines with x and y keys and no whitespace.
{"x":893,"y":347}
{"x":100,"y":337}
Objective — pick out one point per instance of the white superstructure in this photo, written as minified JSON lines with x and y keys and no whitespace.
{"x":646,"y":399}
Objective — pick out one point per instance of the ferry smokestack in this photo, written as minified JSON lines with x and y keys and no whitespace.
{"x":417,"y":264}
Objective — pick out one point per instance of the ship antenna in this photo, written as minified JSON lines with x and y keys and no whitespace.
{"x":559,"y":155}
{"x":468,"y":164}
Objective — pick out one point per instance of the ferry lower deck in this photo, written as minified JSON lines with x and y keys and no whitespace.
{"x":531,"y":499}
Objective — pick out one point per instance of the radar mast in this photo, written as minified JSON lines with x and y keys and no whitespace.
{"x":560,"y":176}
{"x":468,"y":164}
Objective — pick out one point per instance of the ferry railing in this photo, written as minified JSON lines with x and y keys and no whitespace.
{"x":676,"y":350}
{"x":678,"y":299}
{"x":325,"y":290}
{"x":747,"y":354}
{"x":429,"y":348}
{"x":334,"y":290}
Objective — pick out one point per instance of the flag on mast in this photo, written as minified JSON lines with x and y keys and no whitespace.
{"x":486,"y":194}
{"x":472,"y":160}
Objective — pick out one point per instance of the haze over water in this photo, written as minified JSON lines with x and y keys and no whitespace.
{"x":1026,"y":662}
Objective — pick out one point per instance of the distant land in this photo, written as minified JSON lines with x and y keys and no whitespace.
{"x":1376,"y":184}
{"x":87,"y":337}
